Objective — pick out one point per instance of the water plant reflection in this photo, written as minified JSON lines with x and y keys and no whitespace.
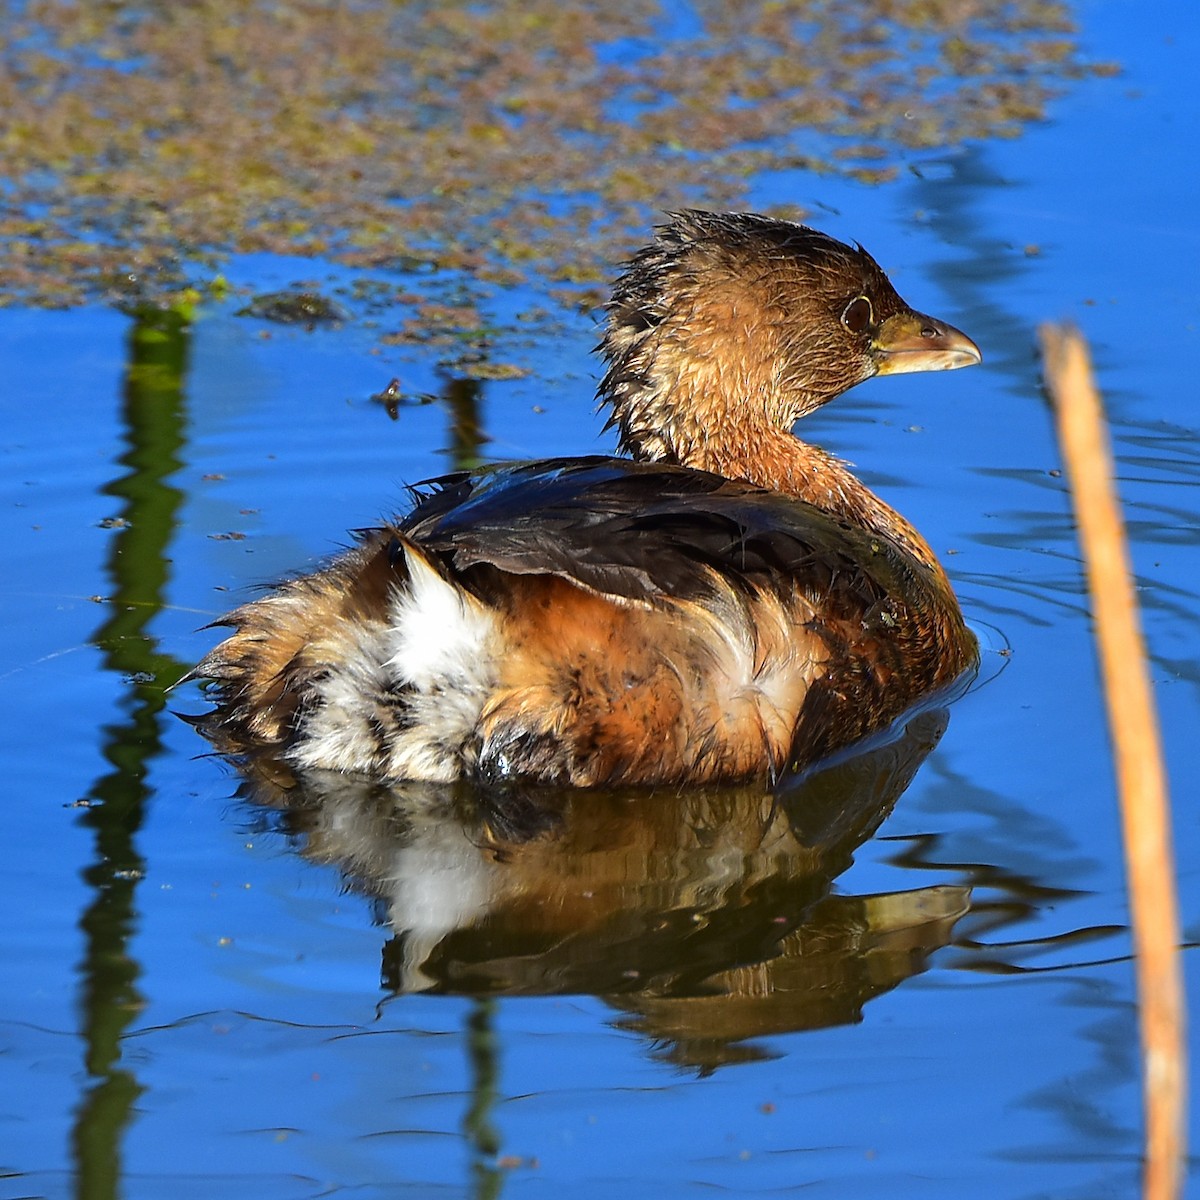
{"x":154,"y":419}
{"x":705,"y":917}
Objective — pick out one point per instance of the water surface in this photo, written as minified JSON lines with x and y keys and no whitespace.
{"x":215,"y":989}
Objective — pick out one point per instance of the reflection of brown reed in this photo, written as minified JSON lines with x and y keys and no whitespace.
{"x":706,"y":915}
{"x":1145,"y":807}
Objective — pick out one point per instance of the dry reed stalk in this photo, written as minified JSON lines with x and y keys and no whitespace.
{"x":1145,"y":807}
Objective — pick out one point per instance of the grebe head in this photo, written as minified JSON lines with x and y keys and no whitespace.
{"x":730,"y":323}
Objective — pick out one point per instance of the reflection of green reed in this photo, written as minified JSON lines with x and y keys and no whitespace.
{"x":483,"y":1048}
{"x":110,"y":999}
{"x":462,"y":398}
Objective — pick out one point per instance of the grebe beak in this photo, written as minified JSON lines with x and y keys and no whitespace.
{"x":910,"y":341}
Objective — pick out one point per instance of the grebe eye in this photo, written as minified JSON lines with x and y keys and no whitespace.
{"x":858,"y":314}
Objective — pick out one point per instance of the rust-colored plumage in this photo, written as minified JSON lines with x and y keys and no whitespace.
{"x":731,"y":604}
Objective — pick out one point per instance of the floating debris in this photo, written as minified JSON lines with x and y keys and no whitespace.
{"x":295,"y":308}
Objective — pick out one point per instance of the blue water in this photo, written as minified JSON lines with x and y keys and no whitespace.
{"x":204,"y":995}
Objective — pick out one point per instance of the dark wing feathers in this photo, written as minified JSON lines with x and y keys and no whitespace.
{"x":636,"y":531}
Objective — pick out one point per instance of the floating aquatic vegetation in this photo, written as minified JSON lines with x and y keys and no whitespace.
{"x":496,"y":139}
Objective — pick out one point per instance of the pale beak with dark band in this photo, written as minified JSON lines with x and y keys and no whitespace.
{"x":912,"y":342}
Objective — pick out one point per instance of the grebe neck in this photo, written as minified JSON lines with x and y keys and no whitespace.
{"x":775,"y":459}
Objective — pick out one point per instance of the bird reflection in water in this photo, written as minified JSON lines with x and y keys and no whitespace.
{"x":707,"y":918}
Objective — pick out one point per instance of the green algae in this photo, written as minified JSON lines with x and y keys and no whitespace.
{"x":142,"y":143}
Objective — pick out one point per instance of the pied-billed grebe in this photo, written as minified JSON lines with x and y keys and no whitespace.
{"x":731,"y":604}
